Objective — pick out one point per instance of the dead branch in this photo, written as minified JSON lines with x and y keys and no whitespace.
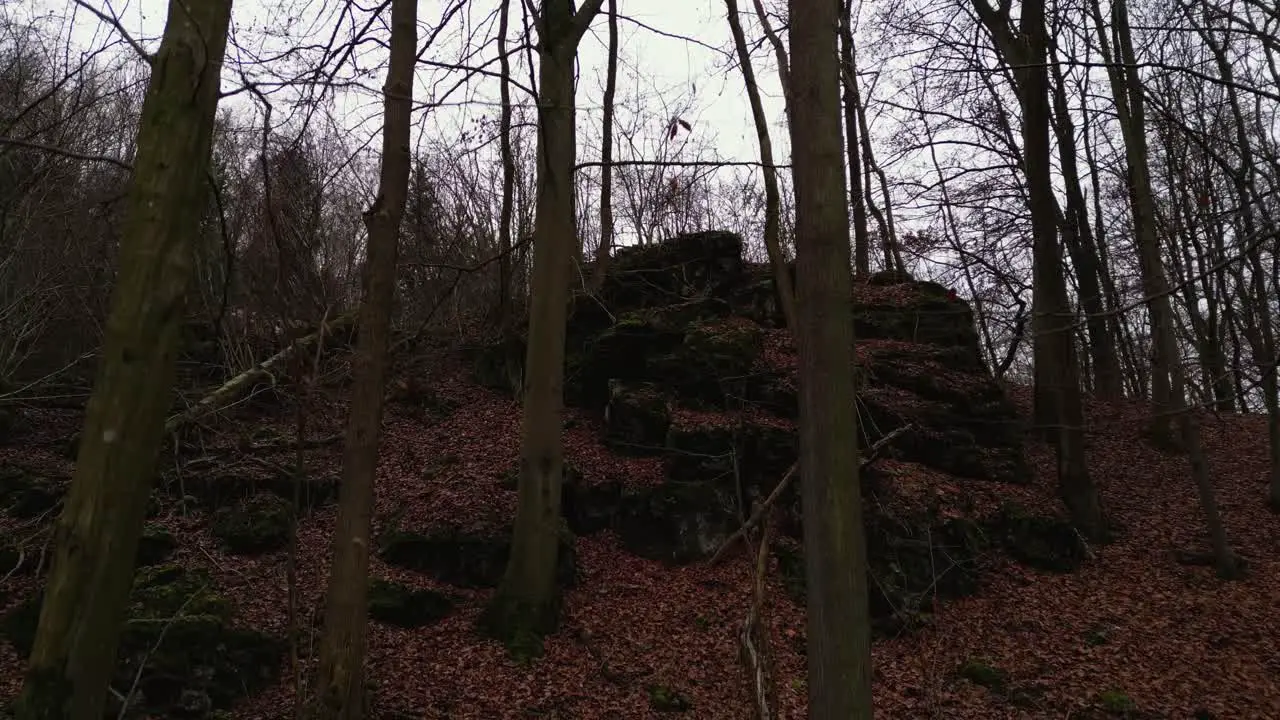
{"x":240,"y":384}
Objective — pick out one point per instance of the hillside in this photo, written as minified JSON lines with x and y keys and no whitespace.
{"x":681,"y":385}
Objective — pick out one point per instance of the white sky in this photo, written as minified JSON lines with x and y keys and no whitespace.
{"x":664,"y":70}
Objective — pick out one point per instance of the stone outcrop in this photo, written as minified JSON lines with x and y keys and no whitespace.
{"x":683,"y":355}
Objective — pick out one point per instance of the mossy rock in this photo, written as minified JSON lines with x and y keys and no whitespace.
{"x":891,"y":277}
{"x":26,"y":494}
{"x":590,"y":506}
{"x":714,"y":364}
{"x":637,"y":418}
{"x":928,"y":322}
{"x":666,"y":699}
{"x":1044,"y":543}
{"x":193,"y":661}
{"x":218,"y":488}
{"x":676,"y":522}
{"x":499,"y":365}
{"x":155,"y":545}
{"x":10,"y":424}
{"x":982,"y":673}
{"x":400,"y":605}
{"x":910,"y":562}
{"x":259,"y":524}
{"x":622,"y":351}
{"x":704,"y":263}
{"x":464,"y":558}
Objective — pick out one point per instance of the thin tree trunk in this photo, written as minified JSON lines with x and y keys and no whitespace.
{"x":839,"y":642}
{"x":506,"y":283}
{"x":857,"y":203}
{"x":96,"y":536}
{"x":340,"y":687}
{"x":606,"y":156}
{"x":1026,"y":51}
{"x":772,"y":198}
{"x":1127,"y":86}
{"x":526,"y":606}
{"x":1077,"y":231}
{"x":1131,"y":119}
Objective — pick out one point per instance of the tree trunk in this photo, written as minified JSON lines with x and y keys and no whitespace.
{"x":1102,"y":350}
{"x":839,"y":642}
{"x":1026,"y":51}
{"x":340,"y":687}
{"x":526,"y":605}
{"x":772,"y":198}
{"x":506,"y":284}
{"x":1131,"y":119}
{"x":606,"y":156}
{"x":96,"y":536}
{"x":857,"y":203}
{"x":1127,"y":86}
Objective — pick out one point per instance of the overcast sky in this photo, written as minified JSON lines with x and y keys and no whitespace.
{"x":662,"y":70}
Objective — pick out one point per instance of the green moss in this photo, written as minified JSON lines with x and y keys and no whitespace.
{"x":1045,"y":543}
{"x":519,"y":624}
{"x":1116,"y":702}
{"x":262,"y":523}
{"x":666,"y":699}
{"x":983,"y":673}
{"x":178,"y":642}
{"x":465,"y":558}
{"x":403,"y":606}
{"x":155,"y":545}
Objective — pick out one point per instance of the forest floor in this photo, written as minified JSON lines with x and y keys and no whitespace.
{"x":1134,"y":633}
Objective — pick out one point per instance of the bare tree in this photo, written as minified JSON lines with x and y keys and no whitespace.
{"x":341,"y":683}
{"x":97,"y":534}
{"x":772,"y":201}
{"x":839,"y":629}
{"x":526,"y":605}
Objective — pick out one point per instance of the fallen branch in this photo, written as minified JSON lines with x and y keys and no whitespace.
{"x":240,"y":384}
{"x":871,"y":456}
{"x":755,"y":637}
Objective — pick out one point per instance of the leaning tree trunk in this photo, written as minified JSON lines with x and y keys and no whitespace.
{"x":526,"y":605}
{"x":772,"y":197}
{"x":96,"y":536}
{"x":340,"y":686}
{"x":839,"y":634}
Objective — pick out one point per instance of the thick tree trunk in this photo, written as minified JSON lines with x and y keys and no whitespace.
{"x":772,"y":197}
{"x":839,"y":642}
{"x":96,"y":536}
{"x":526,"y":605}
{"x":340,"y":687}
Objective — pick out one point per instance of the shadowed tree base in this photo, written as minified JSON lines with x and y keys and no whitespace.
{"x":519,"y":624}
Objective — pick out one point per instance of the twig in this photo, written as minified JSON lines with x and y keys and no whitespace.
{"x":757,"y":653}
{"x":871,"y":456}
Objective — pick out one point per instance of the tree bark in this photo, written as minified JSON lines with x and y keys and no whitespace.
{"x":839,"y":642}
{"x":772,"y":198}
{"x":506,"y":311}
{"x":1102,"y":350}
{"x":96,"y":536}
{"x":340,"y":686}
{"x":526,"y":606}
{"x":1056,"y":368}
{"x":857,"y":201}
{"x":606,"y":155}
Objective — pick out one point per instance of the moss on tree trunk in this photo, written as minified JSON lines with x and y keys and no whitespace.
{"x":97,"y":534}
